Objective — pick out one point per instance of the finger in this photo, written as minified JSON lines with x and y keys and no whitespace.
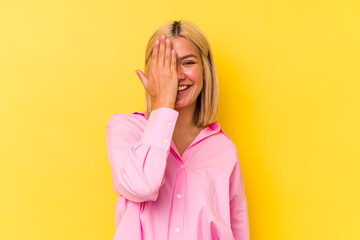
{"x":143,"y":78}
{"x":173,"y":61}
{"x":155,"y":53}
{"x":160,"y":61}
{"x":167,"y":60}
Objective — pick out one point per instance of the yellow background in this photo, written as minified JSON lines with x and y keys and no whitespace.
{"x":290,"y":99}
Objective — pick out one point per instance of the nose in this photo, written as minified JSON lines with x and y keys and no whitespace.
{"x":180,"y":72}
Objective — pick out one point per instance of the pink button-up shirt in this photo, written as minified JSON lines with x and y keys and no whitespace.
{"x":162,"y":195}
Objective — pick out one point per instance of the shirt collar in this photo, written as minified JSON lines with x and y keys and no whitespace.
{"x":143,"y":113}
{"x":213,"y":128}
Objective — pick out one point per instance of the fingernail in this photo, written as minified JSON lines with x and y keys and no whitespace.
{"x":157,"y":42}
{"x":163,"y":37}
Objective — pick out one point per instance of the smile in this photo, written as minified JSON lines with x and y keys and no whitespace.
{"x":183,"y":89}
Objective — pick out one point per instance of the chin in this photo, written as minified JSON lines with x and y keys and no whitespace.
{"x":182,"y":104}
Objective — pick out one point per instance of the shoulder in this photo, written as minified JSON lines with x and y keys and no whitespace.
{"x":224,"y":145}
{"x":119,"y":118}
{"x":224,"y":139}
{"x":230,"y":151}
{"x":126,"y":120}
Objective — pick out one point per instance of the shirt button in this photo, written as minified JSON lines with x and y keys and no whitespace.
{"x":169,"y":124}
{"x":165,"y":140}
{"x":178,"y":196}
{"x":177,"y":229}
{"x":182,"y":166}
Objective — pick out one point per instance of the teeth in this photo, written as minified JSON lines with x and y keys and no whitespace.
{"x":182,"y":88}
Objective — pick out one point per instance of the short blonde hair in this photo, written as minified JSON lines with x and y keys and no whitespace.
{"x":207,"y":102}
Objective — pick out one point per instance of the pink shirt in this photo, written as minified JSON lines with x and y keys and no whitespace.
{"x":198,"y":196}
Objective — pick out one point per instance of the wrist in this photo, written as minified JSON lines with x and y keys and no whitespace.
{"x":159,"y":104}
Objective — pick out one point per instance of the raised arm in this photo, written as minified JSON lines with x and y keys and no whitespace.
{"x":238,"y":204}
{"x":138,"y":164}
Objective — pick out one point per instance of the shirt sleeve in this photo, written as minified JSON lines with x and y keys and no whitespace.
{"x":138,"y":162}
{"x":238,"y":204}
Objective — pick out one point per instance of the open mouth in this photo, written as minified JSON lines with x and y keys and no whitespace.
{"x":183,"y":89}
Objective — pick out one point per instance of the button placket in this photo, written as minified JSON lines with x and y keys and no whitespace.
{"x":178,"y":204}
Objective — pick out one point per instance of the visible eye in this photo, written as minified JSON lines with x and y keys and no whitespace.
{"x":189,"y":62}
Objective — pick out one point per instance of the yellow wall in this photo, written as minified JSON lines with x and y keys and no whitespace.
{"x":290,"y":100}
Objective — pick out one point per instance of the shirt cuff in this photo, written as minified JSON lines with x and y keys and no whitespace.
{"x":160,"y":127}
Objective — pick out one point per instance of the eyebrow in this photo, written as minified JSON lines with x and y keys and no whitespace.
{"x":187,"y":56}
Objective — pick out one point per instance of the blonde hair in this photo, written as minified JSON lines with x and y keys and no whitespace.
{"x":207,"y":102}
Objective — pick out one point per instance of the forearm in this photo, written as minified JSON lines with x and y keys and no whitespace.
{"x":138,"y":162}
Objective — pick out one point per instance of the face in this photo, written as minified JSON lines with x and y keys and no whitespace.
{"x":189,"y":70}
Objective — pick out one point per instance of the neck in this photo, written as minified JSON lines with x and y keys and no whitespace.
{"x":185,"y":119}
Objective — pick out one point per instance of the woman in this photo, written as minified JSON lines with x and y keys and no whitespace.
{"x":177,"y":173}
